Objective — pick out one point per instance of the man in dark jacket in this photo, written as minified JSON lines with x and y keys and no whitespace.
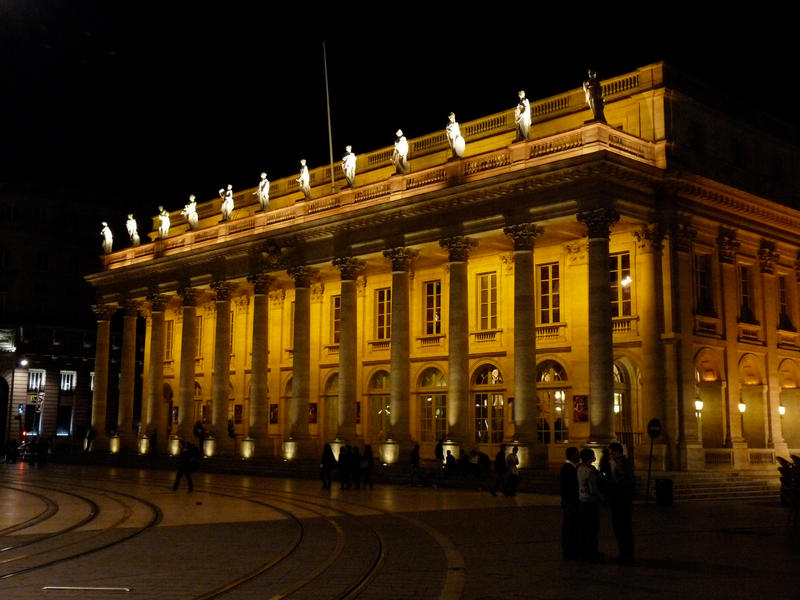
{"x":499,"y":471}
{"x":569,"y":504}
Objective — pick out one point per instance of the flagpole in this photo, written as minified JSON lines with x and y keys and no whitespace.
{"x":328,"y":104}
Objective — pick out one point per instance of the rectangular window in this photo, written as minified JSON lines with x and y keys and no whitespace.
{"x":487,"y":301}
{"x":383,"y":313}
{"x":63,"y":420}
{"x":168,"y":331}
{"x":68,"y":379}
{"x":746,"y":314}
{"x":784,"y":317}
{"x":549,"y":294}
{"x":434,"y":417}
{"x":336,"y":318}
{"x":704,"y":298}
{"x":198,"y":349}
{"x":620,"y":279}
{"x":232,"y":329}
{"x":36,"y":379}
{"x":433,"y":307}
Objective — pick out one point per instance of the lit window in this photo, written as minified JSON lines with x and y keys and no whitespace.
{"x":621,"y":283}
{"x":231,"y":333}
{"x":383,"y":313}
{"x":36,"y":379}
{"x":433,"y":307}
{"x":198,"y":349}
{"x":68,"y":379}
{"x":168,"y":330}
{"x":336,"y":318}
{"x":549,"y":294}
{"x":487,"y":301}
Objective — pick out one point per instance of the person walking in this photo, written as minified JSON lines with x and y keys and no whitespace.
{"x":569,"y":504}
{"x":589,"y":507}
{"x":499,"y":471}
{"x":620,"y":501}
{"x":187,"y":462}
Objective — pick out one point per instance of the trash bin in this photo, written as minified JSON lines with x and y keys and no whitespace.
{"x":664,"y":492}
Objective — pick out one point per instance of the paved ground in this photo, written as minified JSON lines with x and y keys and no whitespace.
{"x":100,"y":532}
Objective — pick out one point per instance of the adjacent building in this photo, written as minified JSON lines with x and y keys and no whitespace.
{"x":568,"y":288}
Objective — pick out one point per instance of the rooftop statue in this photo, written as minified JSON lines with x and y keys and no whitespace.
{"x":349,"y":166}
{"x":454,"y":137}
{"x":190,"y":212}
{"x":400,"y":154}
{"x":594,"y":96}
{"x":263,"y":192}
{"x":108,"y":238}
{"x":227,"y":202}
{"x":133,"y":230}
{"x":522,"y":117}
{"x":304,"y":180}
{"x":163,"y":226}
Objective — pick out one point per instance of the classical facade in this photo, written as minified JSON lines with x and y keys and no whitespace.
{"x":566,"y":288}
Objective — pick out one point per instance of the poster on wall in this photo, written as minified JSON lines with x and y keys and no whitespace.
{"x":580,"y":409}
{"x":273,"y":414}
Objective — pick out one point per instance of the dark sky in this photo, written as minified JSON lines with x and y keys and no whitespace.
{"x":153,"y":100}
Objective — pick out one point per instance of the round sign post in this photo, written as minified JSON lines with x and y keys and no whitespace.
{"x":653,"y":431}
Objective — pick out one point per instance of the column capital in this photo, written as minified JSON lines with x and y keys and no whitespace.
{"x":650,"y":237}
{"x":683,"y":234}
{"x":767,"y":257}
{"x":104,"y":312}
{"x":728,"y":245}
{"x":598,"y":221}
{"x":458,"y":247}
{"x":157,"y":302}
{"x":189,"y":295}
{"x":523,"y":235}
{"x":223,"y":290}
{"x":276,"y":298}
{"x":261,"y":282}
{"x":130,"y":308}
{"x":401,"y":257}
{"x":350,"y":267}
{"x":301,"y":275}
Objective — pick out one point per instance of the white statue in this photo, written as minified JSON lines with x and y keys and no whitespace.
{"x":400,"y":154}
{"x":133,"y":230}
{"x":227,"y":202}
{"x":163,"y":227}
{"x":349,"y":166}
{"x":108,"y":238}
{"x":304,"y":180}
{"x":454,"y":137}
{"x":522,"y":117}
{"x":263,"y":192}
{"x":190,"y":212}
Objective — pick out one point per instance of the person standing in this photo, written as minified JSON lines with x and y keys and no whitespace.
{"x":367,"y":465}
{"x":569,"y":504}
{"x":621,"y":492}
{"x":499,"y":471}
{"x":327,"y":464}
{"x":512,"y":468}
{"x":589,"y":507}
{"x":188,"y":462}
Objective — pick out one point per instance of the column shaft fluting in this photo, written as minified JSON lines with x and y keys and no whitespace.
{"x":301,"y":366}
{"x":101,"y":362}
{"x":220,"y":385}
{"x":127,"y":377}
{"x":155,"y":373}
{"x":257,"y":426}
{"x":188,"y":353}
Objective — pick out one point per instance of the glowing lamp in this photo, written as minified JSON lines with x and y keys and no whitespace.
{"x":781,"y":410}
{"x":742,"y":407}
{"x":248,"y":447}
{"x":113,"y":444}
{"x":698,"y":405}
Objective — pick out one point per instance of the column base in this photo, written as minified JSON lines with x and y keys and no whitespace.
{"x":692,"y":457}
{"x":247,"y":448}
{"x":781,"y":449}
{"x":174,"y":445}
{"x":128,"y":442}
{"x":298,"y":448}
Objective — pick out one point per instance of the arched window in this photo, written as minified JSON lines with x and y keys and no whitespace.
{"x":552,"y":394}
{"x":488,"y":399}
{"x":380,"y":403}
{"x":433,"y":405}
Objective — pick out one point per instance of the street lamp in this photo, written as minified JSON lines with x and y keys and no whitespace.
{"x":781,"y":409}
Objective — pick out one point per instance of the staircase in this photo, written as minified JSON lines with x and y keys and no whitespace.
{"x":740,"y":486}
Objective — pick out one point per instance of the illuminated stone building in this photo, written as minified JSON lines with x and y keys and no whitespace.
{"x":567,"y":288}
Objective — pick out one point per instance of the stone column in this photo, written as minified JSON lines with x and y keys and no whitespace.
{"x":772,"y":389}
{"x":651,"y":326}
{"x":691,"y":456}
{"x":220,"y":385}
{"x":348,"y":350}
{"x":127,"y":377}
{"x":526,"y":410}
{"x":257,"y":426}
{"x":155,"y":375}
{"x":399,"y":392}
{"x":601,"y":344}
{"x":101,"y":360}
{"x":458,"y":337}
{"x":728,"y":245}
{"x":188,"y":353}
{"x":299,"y":442}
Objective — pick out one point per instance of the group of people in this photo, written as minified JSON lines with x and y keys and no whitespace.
{"x":506,"y":471}
{"x":584,"y":488}
{"x":353,"y":467}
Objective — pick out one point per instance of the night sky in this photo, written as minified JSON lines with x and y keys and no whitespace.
{"x":153,"y":100}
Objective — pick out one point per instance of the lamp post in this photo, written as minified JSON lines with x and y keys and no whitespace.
{"x":742,"y":409}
